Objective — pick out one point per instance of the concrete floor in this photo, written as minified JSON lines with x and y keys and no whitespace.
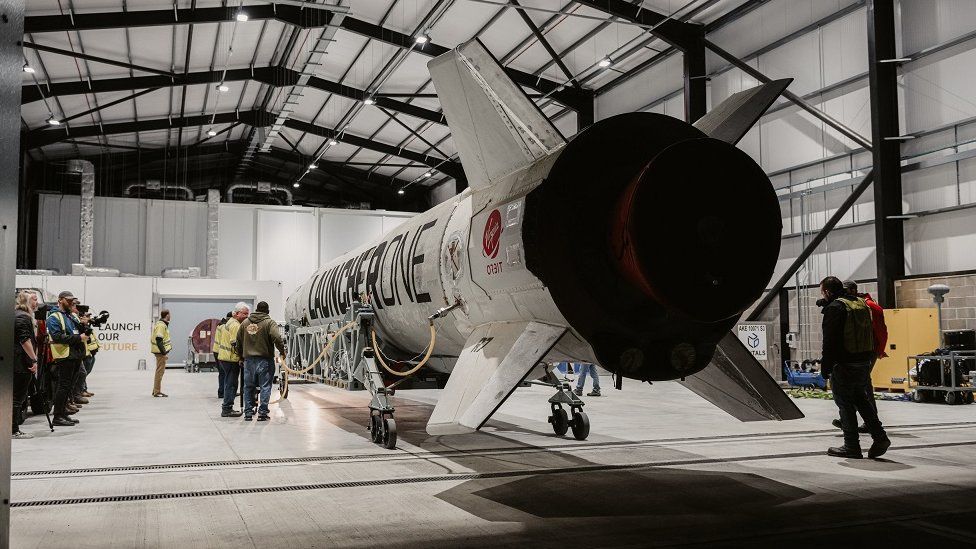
{"x":661,"y":468}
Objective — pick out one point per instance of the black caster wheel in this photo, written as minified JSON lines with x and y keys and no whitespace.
{"x":560,"y":421}
{"x":375,"y":429}
{"x":389,"y":438}
{"x":968,"y":399}
{"x":580,"y":425}
{"x":917,"y":396}
{"x":951,"y":398}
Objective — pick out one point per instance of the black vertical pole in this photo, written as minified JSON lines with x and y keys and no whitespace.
{"x":11,"y":71}
{"x":886,"y":152}
{"x":585,"y":111}
{"x":784,"y":328}
{"x":695,"y":81}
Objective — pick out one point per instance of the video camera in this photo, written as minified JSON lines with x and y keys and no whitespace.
{"x":94,"y":321}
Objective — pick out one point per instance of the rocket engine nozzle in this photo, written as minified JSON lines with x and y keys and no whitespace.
{"x":697,"y":230}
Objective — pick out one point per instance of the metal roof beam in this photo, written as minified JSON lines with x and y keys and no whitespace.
{"x":682,"y":35}
{"x":309,"y":17}
{"x":272,"y":76}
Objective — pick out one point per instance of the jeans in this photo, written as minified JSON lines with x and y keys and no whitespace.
{"x":565,"y":367}
{"x":220,"y":378}
{"x":65,"y":370}
{"x":89,"y":364}
{"x":854,"y":394}
{"x":585,"y":369}
{"x":257,"y":373}
{"x":81,"y":376}
{"x":21,"y":382}
{"x":232,"y":373}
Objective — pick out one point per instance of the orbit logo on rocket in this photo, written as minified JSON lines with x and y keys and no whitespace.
{"x":493,"y":232}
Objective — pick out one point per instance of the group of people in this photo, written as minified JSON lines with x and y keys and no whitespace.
{"x":242,"y":340}
{"x":72,"y":346}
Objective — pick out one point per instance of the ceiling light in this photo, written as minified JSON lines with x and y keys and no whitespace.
{"x":428,"y":174}
{"x":333,"y":142}
{"x":29,"y":69}
{"x":211,"y":133}
{"x":223,"y":88}
{"x":401,"y":191}
{"x":296,"y":185}
{"x":53,"y":121}
{"x":242,"y":17}
{"x":605,"y":62}
{"x":369,"y":101}
{"x":312,"y":166}
{"x":422,"y":39}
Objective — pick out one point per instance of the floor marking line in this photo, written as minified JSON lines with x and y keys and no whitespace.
{"x":443,"y":478}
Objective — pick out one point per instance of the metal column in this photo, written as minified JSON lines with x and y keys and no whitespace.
{"x":883,"y":74}
{"x":11,"y":69}
{"x":695,"y":76}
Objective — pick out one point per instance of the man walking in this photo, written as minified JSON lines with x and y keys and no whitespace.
{"x":256,"y":340}
{"x":584,"y":370}
{"x":161,"y":345}
{"x":880,"y":329}
{"x":848,"y":353}
{"x":67,"y":351}
{"x":230,"y":360}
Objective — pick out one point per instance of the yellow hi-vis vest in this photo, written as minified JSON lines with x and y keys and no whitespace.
{"x":93,"y":342}
{"x":228,"y":354}
{"x":160,"y":330}
{"x":217,"y":346}
{"x":59,"y":351}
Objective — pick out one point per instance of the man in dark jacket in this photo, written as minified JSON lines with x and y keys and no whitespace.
{"x":67,"y":350}
{"x":256,"y":341}
{"x":848,"y":354}
{"x":880,"y":335}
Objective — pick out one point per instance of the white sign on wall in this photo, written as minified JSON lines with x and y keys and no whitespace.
{"x":753,"y":336}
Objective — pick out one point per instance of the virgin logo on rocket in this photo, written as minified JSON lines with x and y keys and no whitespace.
{"x":493,"y":232}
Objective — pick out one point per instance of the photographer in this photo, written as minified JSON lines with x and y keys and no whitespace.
{"x":67,"y":350}
{"x":90,"y":323}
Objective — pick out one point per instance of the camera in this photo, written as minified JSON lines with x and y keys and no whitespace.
{"x":96,"y":321}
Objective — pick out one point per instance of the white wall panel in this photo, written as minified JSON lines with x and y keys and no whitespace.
{"x":939,"y":90}
{"x":176,"y":235}
{"x":287,"y":247}
{"x":940,"y":243}
{"x":844,"y":47}
{"x":641,"y":90}
{"x":930,"y":189}
{"x":926,"y":23}
{"x":120,"y":234}
{"x":235,"y":241}
{"x":59,"y":231}
{"x":340,"y":233}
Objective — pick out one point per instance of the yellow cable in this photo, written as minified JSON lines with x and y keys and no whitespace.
{"x":430,"y":349}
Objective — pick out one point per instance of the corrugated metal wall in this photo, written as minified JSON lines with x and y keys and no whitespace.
{"x":822,"y":44}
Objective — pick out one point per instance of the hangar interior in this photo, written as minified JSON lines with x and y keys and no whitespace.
{"x":190,"y":155}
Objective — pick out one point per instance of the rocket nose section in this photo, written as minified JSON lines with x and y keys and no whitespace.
{"x":698,"y":230}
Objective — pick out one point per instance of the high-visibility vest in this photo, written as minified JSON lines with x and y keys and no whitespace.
{"x":160,"y":330}
{"x":93,"y":342}
{"x":227,"y":340}
{"x":59,"y":351}
{"x":217,"y":346}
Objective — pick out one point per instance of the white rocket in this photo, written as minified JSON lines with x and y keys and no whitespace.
{"x":635,"y":246}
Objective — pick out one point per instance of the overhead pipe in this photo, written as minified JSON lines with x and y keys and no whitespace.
{"x":257,"y":187}
{"x":187,"y":190}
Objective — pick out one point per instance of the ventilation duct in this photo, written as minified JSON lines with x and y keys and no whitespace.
{"x":154,"y":185}
{"x":80,"y":269}
{"x":181,"y":272}
{"x":213,"y":220}
{"x":260,"y":187}
{"x":87,"y":171}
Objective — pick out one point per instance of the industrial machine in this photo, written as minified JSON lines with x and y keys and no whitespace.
{"x":667,"y":233}
{"x":949,"y":373}
{"x":805,"y":375}
{"x":199,"y":346}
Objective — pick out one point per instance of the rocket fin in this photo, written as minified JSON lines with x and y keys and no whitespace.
{"x":496,"y":128}
{"x":495,"y":359}
{"x":733,"y":118}
{"x":739,"y":385}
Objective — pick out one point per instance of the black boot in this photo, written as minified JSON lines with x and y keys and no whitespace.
{"x":62,"y":421}
{"x":879,"y":447}
{"x":231,"y":413}
{"x":845,"y":452}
